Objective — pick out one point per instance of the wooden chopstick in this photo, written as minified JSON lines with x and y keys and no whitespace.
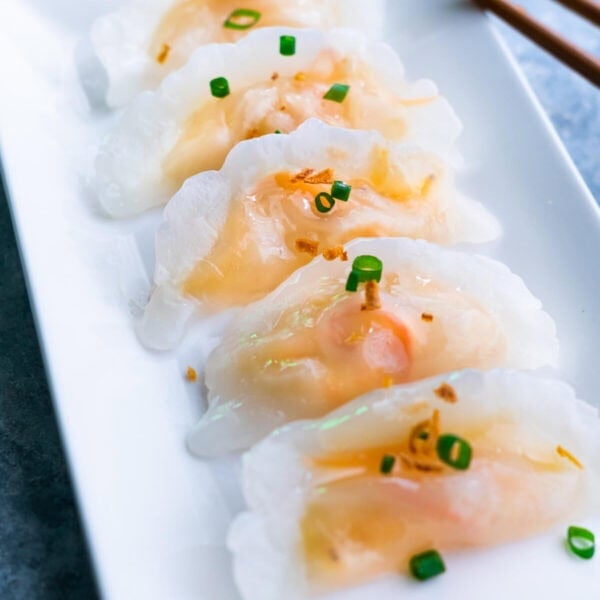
{"x":588,"y":9}
{"x":585,"y":64}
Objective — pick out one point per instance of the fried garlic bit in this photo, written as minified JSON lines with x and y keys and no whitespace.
{"x":307,"y":246}
{"x":562,"y":452}
{"x":422,"y":445}
{"x":423,"y":436}
{"x":302,"y":175}
{"x":275,"y":77}
{"x":162,"y":56}
{"x":428,"y":318}
{"x":422,"y":452}
{"x":309,"y":176}
{"x":335,"y":252}
{"x":446,"y":392}
{"x":372,"y":298}
{"x":191,"y":374}
{"x":325,"y":176}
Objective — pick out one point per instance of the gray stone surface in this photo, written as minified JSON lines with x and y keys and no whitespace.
{"x":42,"y":553}
{"x":572,"y":103}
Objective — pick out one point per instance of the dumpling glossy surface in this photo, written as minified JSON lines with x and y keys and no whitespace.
{"x":311,"y":346}
{"x":180,"y":130}
{"x":323,"y":515}
{"x":230,"y":238}
{"x":142,"y":42}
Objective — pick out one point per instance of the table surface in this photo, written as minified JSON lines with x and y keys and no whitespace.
{"x":42,"y":551}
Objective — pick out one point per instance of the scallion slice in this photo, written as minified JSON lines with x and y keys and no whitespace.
{"x":324,"y":202}
{"x":219,"y":87}
{"x":337,"y":92}
{"x":341,"y":191}
{"x":454,"y":451}
{"x":242,"y":18}
{"x":427,"y":565}
{"x":387,"y":464}
{"x":278,"y":131}
{"x":582,"y":542}
{"x":364,"y":268}
{"x":287,"y":45}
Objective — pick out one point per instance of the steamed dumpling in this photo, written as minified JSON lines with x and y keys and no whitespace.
{"x":142,"y":42}
{"x":182,"y":129}
{"x":308,"y":347}
{"x":229,"y":238}
{"x":322,"y":515}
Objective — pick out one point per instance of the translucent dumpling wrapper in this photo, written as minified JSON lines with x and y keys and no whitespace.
{"x":145,"y":40}
{"x":182,"y":129}
{"x":231,"y":237}
{"x":310,"y":346}
{"x":326,"y":511}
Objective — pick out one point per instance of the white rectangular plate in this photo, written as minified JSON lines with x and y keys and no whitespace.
{"x":155,"y":517}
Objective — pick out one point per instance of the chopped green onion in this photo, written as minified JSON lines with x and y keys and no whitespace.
{"x":352,"y":283}
{"x":387,"y":464}
{"x":242,"y":18}
{"x":341,"y":191}
{"x":364,"y":268}
{"x":287,"y":45}
{"x":581,"y":541}
{"x":423,"y":435}
{"x":427,"y":565}
{"x":324,"y":202}
{"x":337,"y":92}
{"x":278,"y":131}
{"x":219,"y":87}
{"x":454,"y":451}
